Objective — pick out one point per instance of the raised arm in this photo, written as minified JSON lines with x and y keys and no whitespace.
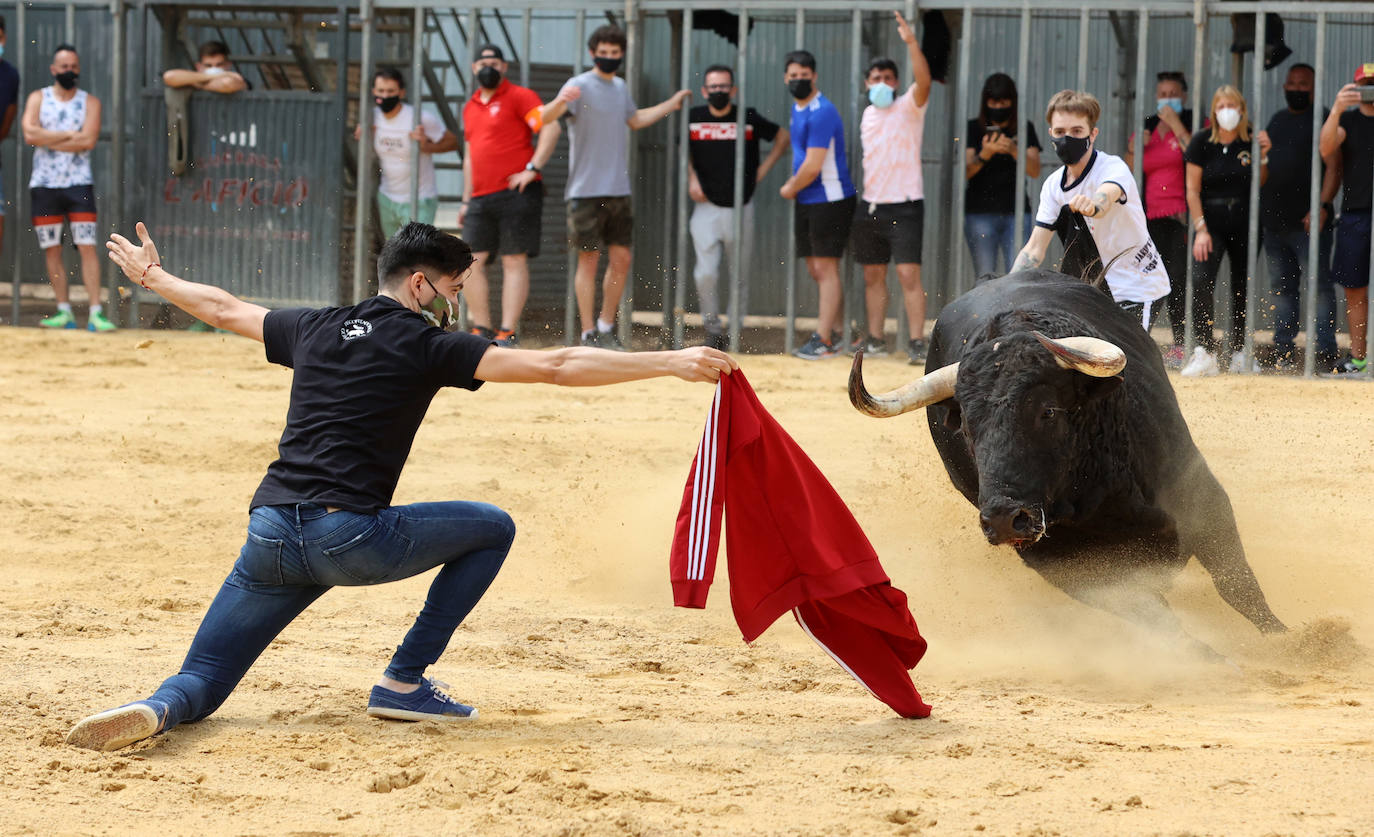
{"x":554,"y":110}
{"x":1107,"y":197}
{"x":579,"y":366}
{"x":215,"y":306}
{"x":1333,"y":135}
{"x":920,"y":68}
{"x":644,"y":117}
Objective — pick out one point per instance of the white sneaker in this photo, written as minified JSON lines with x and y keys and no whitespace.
{"x":1238,"y":364}
{"x":1202,"y":365}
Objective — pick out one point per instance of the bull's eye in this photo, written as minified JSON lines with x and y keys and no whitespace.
{"x":1051,"y":413}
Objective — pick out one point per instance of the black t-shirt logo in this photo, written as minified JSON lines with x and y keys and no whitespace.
{"x":353,"y":329}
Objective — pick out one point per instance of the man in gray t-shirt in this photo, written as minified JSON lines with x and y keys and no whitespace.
{"x":597,"y":104}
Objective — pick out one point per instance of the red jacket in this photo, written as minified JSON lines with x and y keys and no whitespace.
{"x":791,"y":544}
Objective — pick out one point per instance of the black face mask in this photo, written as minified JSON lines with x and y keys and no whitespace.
{"x":999,"y":114}
{"x":1070,"y":150}
{"x":720,"y":99}
{"x":489,"y":77}
{"x":67,"y":79}
{"x":387,"y":103}
{"x":800,"y":88}
{"x":608,"y":65}
{"x":1298,"y":99}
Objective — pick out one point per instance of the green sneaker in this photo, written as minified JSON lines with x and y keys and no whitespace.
{"x":62,"y":319}
{"x":97,"y":322}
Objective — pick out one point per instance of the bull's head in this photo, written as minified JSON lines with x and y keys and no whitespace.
{"x":1019,"y":399}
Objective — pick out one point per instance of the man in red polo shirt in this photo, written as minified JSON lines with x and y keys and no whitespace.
{"x":503,"y":194}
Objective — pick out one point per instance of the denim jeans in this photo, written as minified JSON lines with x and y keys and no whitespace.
{"x":295,"y":553}
{"x":1287,"y":254}
{"x":986,"y":233}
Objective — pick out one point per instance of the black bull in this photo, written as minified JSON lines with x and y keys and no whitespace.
{"x":1094,"y":480}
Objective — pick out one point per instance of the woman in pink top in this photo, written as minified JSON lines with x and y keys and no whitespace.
{"x":1166,"y":206}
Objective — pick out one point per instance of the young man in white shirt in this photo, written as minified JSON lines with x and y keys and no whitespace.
{"x":394,"y":138}
{"x":1096,"y":190}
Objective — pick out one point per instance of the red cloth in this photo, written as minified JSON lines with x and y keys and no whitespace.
{"x":499,"y":133}
{"x":791,"y":544}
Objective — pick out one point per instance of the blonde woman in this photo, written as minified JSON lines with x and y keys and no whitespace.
{"x":1217,"y":174}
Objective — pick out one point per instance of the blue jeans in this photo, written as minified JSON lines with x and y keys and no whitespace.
{"x":1287,"y":254}
{"x":295,"y":553}
{"x":986,"y":233}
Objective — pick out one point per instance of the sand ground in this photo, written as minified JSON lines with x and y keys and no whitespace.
{"x":127,"y":473}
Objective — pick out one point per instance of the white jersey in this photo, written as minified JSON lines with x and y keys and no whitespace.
{"x":391,"y":140}
{"x":60,"y":169}
{"x":1138,"y":275}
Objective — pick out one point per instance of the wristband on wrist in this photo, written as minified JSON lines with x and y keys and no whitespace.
{"x":1200,"y":225}
{"x":141,"y":279}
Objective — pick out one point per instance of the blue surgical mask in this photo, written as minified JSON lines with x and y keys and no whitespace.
{"x":1175,"y":104}
{"x":881,"y":95}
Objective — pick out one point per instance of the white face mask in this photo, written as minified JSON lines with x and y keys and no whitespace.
{"x":1228,"y":118}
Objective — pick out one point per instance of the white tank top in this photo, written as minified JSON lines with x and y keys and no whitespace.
{"x":60,"y":169}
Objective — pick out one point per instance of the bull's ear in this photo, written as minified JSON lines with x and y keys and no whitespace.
{"x":1100,"y":388}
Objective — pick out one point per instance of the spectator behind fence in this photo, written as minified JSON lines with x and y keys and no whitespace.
{"x":9,"y":103}
{"x":891,"y":218}
{"x":1284,"y":219}
{"x":1218,"y":177}
{"x":62,"y":123}
{"x":213,"y":73}
{"x":1092,"y":200}
{"x":1167,"y":133}
{"x":503,"y":190}
{"x":990,"y":162}
{"x":1349,"y":132}
{"x":711,"y":185}
{"x":598,"y":104}
{"x":394,"y":139}
{"x":820,"y":185}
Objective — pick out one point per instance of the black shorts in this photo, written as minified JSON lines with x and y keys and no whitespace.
{"x":890,"y":233}
{"x":823,"y":228}
{"x":597,"y":222}
{"x":507,"y":223}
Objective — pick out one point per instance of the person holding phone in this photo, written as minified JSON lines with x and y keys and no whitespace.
{"x":1349,"y":131}
{"x":990,"y":197}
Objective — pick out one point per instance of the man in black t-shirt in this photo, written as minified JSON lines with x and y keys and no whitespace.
{"x":711,"y":184}
{"x":1349,"y":132}
{"x":364,"y":377}
{"x":1284,"y":202}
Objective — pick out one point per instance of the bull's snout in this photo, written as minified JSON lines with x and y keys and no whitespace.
{"x":1005,"y":521}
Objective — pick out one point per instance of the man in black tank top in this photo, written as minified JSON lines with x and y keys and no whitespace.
{"x":322,"y":516}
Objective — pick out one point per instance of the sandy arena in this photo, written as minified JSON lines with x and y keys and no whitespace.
{"x":604,"y":709}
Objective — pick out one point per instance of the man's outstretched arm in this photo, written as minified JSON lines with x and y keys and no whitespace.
{"x":215,"y":306}
{"x":578,"y":366}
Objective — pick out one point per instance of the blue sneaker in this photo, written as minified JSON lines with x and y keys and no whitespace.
{"x":427,"y":703}
{"x":116,"y":728}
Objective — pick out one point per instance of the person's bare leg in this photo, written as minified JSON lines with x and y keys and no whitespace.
{"x":397,"y":686}
{"x":515,"y":289}
{"x":914,"y":296}
{"x":826,"y":272}
{"x":875,"y":298}
{"x":477,"y":291}
{"x":617,"y":269}
{"x":57,"y":274}
{"x":90,"y":271}
{"x":585,"y":284}
{"x":1357,"y":316}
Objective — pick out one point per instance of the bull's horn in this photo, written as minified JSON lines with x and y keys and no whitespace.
{"x":1089,"y":355}
{"x":932,"y":388}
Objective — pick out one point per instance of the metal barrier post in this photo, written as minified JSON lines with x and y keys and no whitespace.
{"x":69,"y":23}
{"x":672,"y":185}
{"x":960,"y":95}
{"x":363,"y":206}
{"x":417,"y":35}
{"x":526,"y":35}
{"x":1252,"y":234}
{"x":790,"y":330}
{"x":683,"y":204}
{"x":904,"y":327}
{"x":570,"y":333}
{"x":1084,"y":19}
{"x":1309,"y":362}
{"x":1138,"y":109}
{"x":20,"y":193}
{"x":117,"y":151}
{"x":633,"y":63}
{"x":853,"y":295}
{"x":1022,"y":72}
{"x":1199,"y":51}
{"x":737,"y":257}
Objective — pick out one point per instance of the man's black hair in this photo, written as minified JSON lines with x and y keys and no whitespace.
{"x":1173,"y":75}
{"x":64,"y":48}
{"x":882,"y":64}
{"x":608,"y":34}
{"x":214,"y":48}
{"x":2,"y":23}
{"x":419,"y":246}
{"x":718,"y":68}
{"x":390,"y":74}
{"x":1308,"y":67}
{"x":799,"y":56}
